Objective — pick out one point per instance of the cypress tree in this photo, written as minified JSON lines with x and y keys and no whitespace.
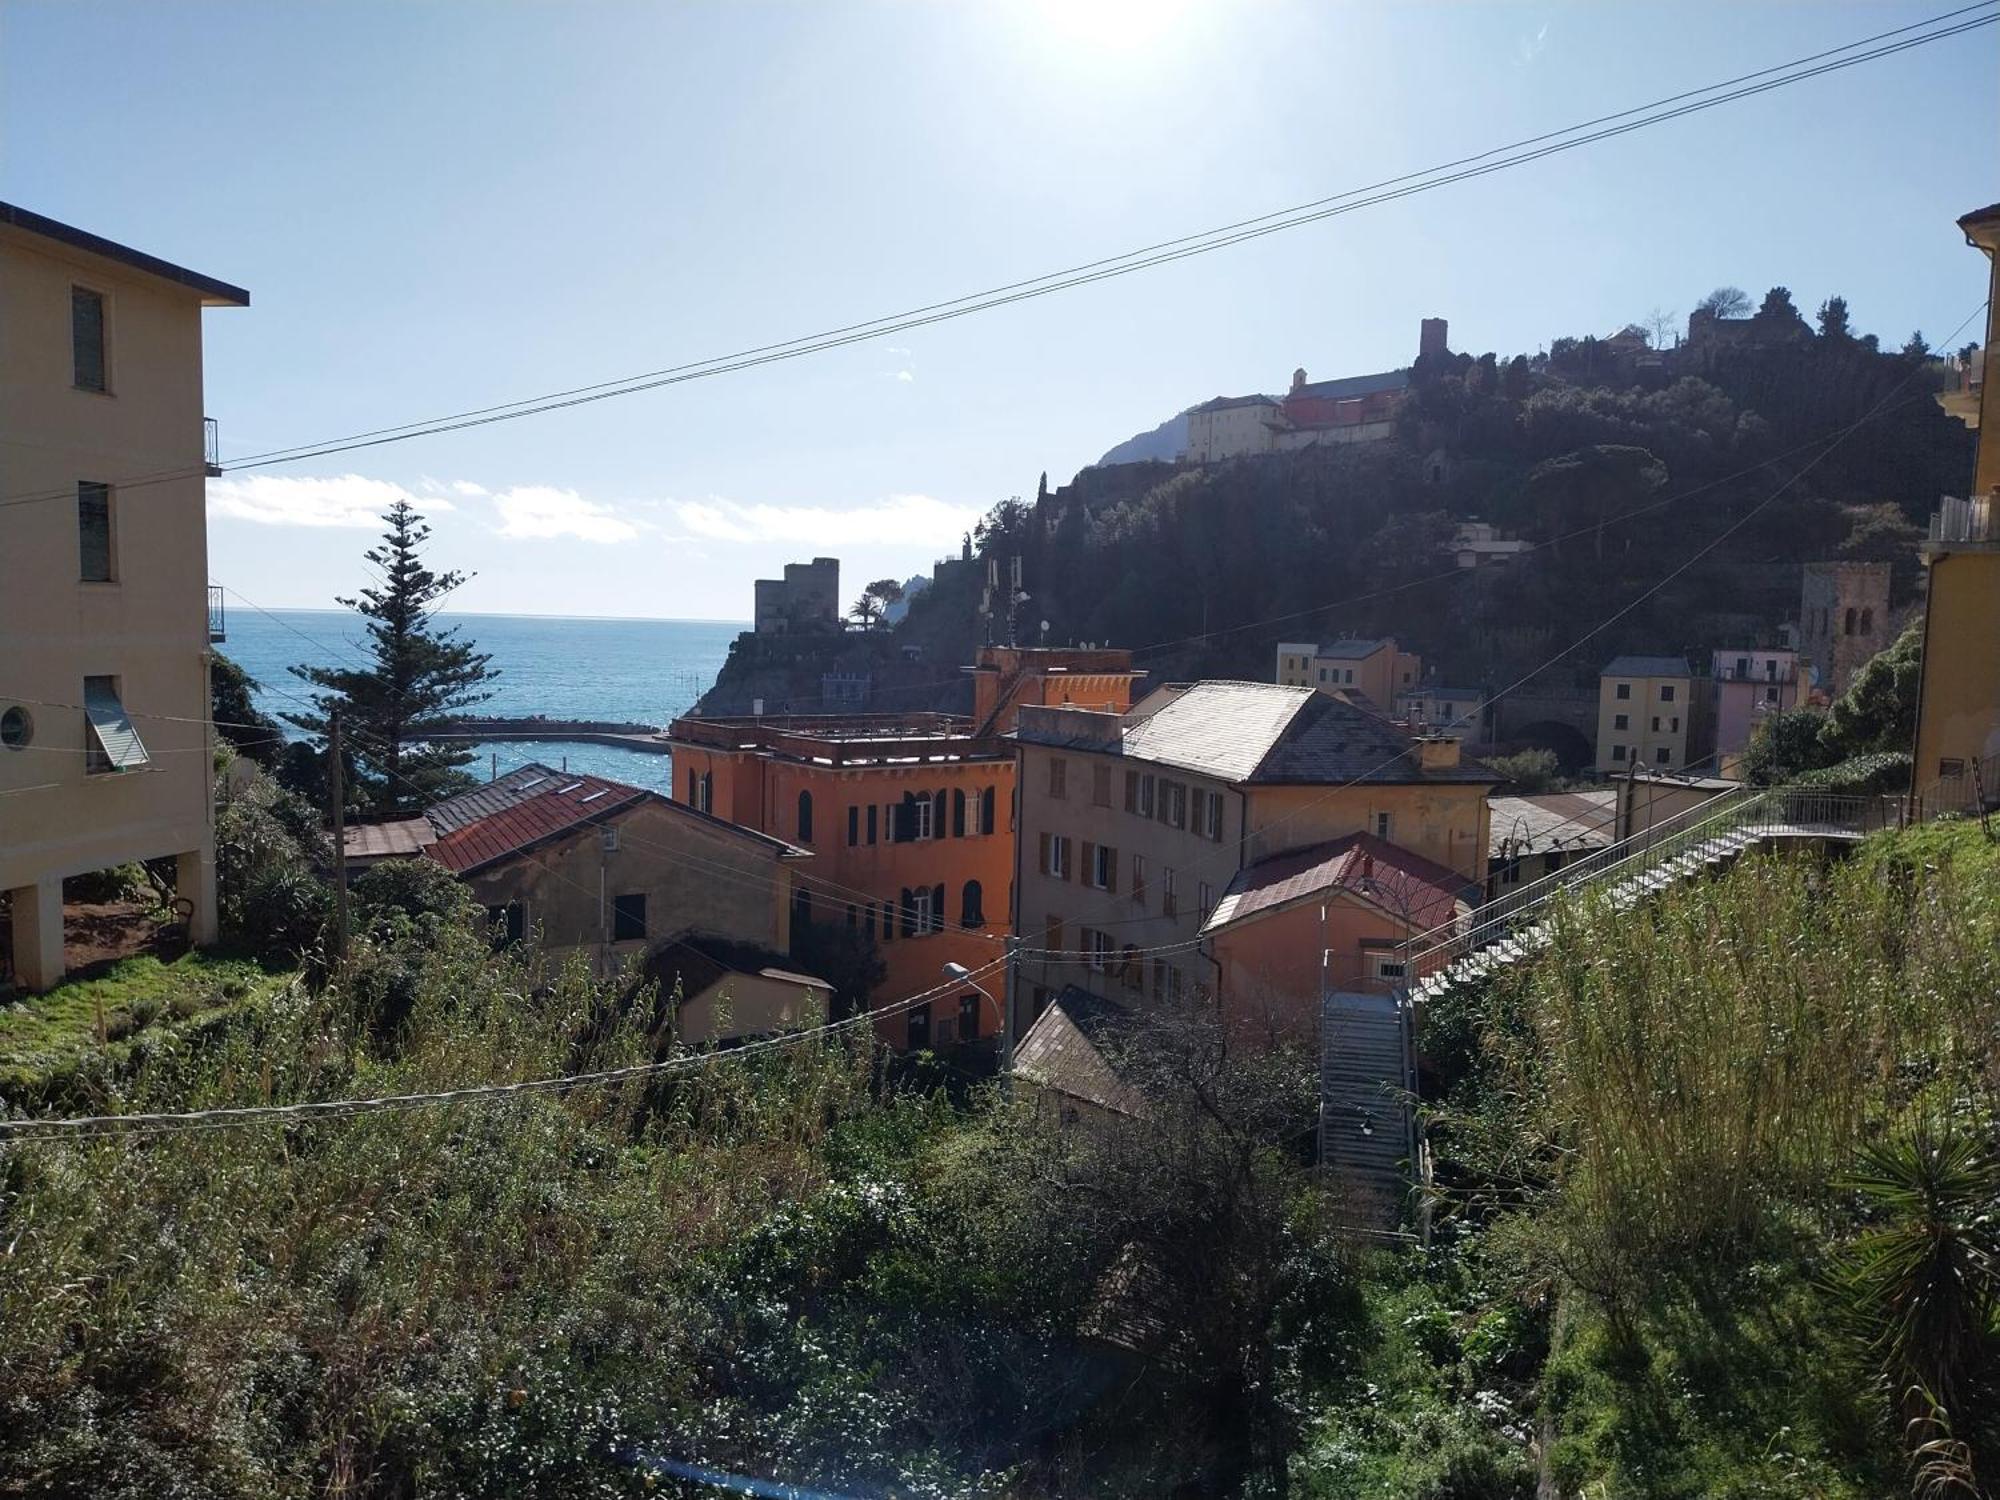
{"x":417,"y":674}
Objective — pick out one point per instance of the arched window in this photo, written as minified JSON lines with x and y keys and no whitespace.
{"x":707,"y":802}
{"x":986,"y":811}
{"x":1867,"y":622}
{"x":805,"y":817}
{"x":958,"y":812}
{"x":972,"y":909}
{"x":1850,"y":620}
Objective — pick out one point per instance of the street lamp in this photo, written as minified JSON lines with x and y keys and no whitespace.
{"x":963,"y":975}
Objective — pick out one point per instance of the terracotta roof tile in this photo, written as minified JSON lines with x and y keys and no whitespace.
{"x":1418,"y":890}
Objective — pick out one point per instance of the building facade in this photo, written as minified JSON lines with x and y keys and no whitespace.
{"x":806,"y":599}
{"x":1958,"y":702}
{"x":105,"y":748}
{"x":1749,"y":684}
{"x":1843,"y":620}
{"x":911,"y":817}
{"x":1652,"y":712}
{"x":1133,"y":826}
{"x":1377,"y":670}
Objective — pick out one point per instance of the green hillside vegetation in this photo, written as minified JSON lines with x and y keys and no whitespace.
{"x":1716,"y":1194}
{"x":1622,"y":473}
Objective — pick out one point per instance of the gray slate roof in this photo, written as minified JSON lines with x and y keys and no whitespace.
{"x":1647,"y":666}
{"x":1223,"y":403}
{"x":1351,"y":648}
{"x":1266,"y":733}
{"x":495,"y":796}
{"x":1356,"y":385}
{"x":1545,"y":821}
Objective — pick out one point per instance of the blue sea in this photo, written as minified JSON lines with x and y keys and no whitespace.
{"x":638,"y":671}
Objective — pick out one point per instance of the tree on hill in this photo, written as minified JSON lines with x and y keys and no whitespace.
{"x":1916,"y":348}
{"x":1528,"y":771}
{"x":1590,"y":486}
{"x":1785,"y":745}
{"x":875,"y":601}
{"x":1725,"y":302}
{"x":1778,"y":304}
{"x":416,"y":675}
{"x":233,"y":707}
{"x":1662,"y":325}
{"x":1833,"y":322}
{"x":1878,"y":712}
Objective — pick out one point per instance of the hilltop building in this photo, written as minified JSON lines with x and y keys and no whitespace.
{"x":805,"y":600}
{"x":1652,"y":711}
{"x":911,"y":815}
{"x":105,"y":750}
{"x":1376,"y":670}
{"x":1843,"y":620}
{"x":1479,"y":544}
{"x":1353,"y":409}
{"x":1463,"y":711}
{"x":1747,"y":685}
{"x":1958,"y":702}
{"x":1159,"y":847}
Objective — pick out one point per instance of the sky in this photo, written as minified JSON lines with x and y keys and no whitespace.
{"x":443,"y":206}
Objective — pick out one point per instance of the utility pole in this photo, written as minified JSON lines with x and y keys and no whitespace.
{"x":1007,"y":1006}
{"x":337,"y":782}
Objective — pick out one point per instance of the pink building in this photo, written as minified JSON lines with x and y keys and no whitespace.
{"x":1749,"y":684}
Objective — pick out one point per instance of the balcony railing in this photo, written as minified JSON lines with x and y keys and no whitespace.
{"x":211,"y":446}
{"x":1966,"y":521}
{"x":216,"y":623}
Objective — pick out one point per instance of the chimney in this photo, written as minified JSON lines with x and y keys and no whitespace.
{"x":1431,"y":337}
{"x":1437,"y":752}
{"x":1367,"y":867}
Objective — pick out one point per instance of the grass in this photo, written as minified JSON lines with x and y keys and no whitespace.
{"x":47,"y":1034}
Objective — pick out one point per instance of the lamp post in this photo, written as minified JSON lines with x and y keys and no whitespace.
{"x":963,"y":975}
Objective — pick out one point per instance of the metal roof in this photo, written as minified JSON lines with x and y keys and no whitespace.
{"x":1647,"y":666}
{"x":1548,"y":821}
{"x":213,"y":292}
{"x":1355,"y":385}
{"x":1059,"y":1053}
{"x":1414,"y":889}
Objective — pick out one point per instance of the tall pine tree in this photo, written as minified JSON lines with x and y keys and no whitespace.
{"x":419,"y":674}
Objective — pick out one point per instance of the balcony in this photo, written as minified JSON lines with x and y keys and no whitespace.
{"x":211,"y":447}
{"x":1961,"y":524}
{"x":216,"y":624}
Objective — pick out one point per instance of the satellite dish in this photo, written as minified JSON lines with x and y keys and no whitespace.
{"x":1045,"y":627}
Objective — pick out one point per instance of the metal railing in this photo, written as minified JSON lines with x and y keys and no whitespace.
{"x":1699,"y":834}
{"x":217,"y":624}
{"x":1970,"y":793}
{"x":211,"y":446}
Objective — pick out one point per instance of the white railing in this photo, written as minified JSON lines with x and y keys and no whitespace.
{"x":1715,"y":828}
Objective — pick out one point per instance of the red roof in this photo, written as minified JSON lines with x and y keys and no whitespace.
{"x":572,"y":802}
{"x":1420,"y":891}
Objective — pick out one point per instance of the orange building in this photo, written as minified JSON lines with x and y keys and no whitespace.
{"x":910,"y":815}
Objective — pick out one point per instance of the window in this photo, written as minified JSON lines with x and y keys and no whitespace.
{"x":1098,"y":949}
{"x":1168,"y":906}
{"x":1674,"y":724}
{"x":1621,"y":721}
{"x":1146,"y":789}
{"x":708,"y":791}
{"x":1322,"y":674}
{"x":1052,"y":934}
{"x":914,"y":817}
{"x":607,"y":838}
{"x":1058,"y":776}
{"x":1771,"y":669}
{"x":694,"y":788}
{"x":805,"y":817}
{"x":1662,"y":756}
{"x":1950,"y":766}
{"x":1055,"y":855}
{"x":1349,"y":678}
{"x":1131,"y":791}
{"x":871,"y":822}
{"x":919,"y":1033}
{"x":1173,"y":804}
{"x":1208,"y":814}
{"x":1742,"y":666}
{"x":1385,"y":966}
{"x":1667,"y":692}
{"x":1100,"y":867}
{"x":628,"y":917}
{"x":93,"y":531}
{"x":1770,"y":695}
{"x":971,"y":906}
{"x":1656,"y":723}
{"x":86,"y":338}
{"x":1204,"y":900}
{"x":1382,"y":826}
{"x":110,"y":741}
{"x":1100,"y":786}
{"x":853,"y":826}
{"x":968,"y":1016}
{"x":1617,"y":752}
{"x":1850,"y":622}
{"x":1138,"y":880}
{"x":1622,"y":691}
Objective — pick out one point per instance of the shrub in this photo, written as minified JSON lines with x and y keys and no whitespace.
{"x":284,"y":915}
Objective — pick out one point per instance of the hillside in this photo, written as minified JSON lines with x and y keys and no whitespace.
{"x":1623,"y":474}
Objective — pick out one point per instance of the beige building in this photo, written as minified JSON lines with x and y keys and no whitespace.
{"x":1957,"y":751}
{"x":1133,"y":826}
{"x":105,"y":749}
{"x":1376,"y":670}
{"x":1652,"y":712}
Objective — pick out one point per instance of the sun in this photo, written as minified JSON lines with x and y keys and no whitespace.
{"x":1109,"y":26}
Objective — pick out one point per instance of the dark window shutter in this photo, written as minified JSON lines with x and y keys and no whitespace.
{"x":909,"y":918}
{"x":1042,"y":858}
{"x":853,"y":826}
{"x":958,"y":813}
{"x":1131,"y":791}
{"x":986,"y":811}
{"x":937,"y":908}
{"x":906,"y":818}
{"x":1111,"y":870}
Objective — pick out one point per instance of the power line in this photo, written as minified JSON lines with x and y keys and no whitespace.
{"x":1496,"y":159}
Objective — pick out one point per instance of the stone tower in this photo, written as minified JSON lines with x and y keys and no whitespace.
{"x":1843,"y":620}
{"x":1431,"y":336}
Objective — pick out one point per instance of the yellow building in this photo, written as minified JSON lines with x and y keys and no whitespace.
{"x":1652,"y":712}
{"x":1958,"y":705}
{"x":105,"y":748}
{"x":1378,"y":671}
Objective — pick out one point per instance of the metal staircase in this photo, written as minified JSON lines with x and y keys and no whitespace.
{"x":1367,"y":1089}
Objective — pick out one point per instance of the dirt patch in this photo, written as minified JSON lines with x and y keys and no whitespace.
{"x":97,"y":933}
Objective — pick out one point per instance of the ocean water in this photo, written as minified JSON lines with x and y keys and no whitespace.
{"x":640,"y":671}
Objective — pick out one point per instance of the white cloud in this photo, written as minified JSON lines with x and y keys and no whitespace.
{"x":918,"y":521}
{"x":905,"y":376}
{"x":1528,"y":50}
{"x":540,"y":510}
{"x":468,"y":488}
{"x":341,"y":500}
